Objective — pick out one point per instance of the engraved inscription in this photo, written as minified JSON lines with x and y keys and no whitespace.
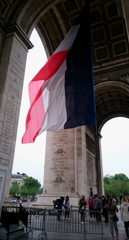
{"x":9,"y":120}
{"x":91,"y":169}
{"x":16,"y":68}
{"x":63,"y":165}
{"x":90,"y":144}
{"x":13,"y":91}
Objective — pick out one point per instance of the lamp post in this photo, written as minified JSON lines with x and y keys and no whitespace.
{"x":30,"y":184}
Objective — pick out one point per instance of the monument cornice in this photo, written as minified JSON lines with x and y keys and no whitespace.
{"x":116,"y":70}
{"x":14,"y":28}
{"x":124,"y":78}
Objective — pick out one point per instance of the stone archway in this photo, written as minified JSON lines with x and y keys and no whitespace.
{"x":53,"y":19}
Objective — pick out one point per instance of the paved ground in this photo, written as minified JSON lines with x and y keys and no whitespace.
{"x":66,"y":236}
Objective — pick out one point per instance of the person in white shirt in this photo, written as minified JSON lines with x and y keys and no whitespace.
{"x":125,"y":214}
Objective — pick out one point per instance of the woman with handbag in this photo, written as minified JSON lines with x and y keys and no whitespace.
{"x":125,"y":214}
{"x":112,"y":217}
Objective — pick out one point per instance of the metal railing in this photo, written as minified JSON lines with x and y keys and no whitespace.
{"x":66,"y":221}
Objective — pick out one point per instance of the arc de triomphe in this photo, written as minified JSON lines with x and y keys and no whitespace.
{"x":73,"y":163}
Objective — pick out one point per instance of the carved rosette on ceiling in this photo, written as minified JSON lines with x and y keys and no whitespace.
{"x":108,"y":33}
{"x":70,"y":6}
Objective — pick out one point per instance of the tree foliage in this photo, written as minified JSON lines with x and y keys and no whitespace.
{"x":23,"y":190}
{"x":121,"y":177}
{"x":118,"y":185}
{"x":106,"y":180}
{"x":14,"y":190}
{"x":30,"y":188}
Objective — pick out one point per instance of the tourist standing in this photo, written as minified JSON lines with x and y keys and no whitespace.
{"x":59,"y":204}
{"x":125,"y":214}
{"x":90,"y":204}
{"x":82,"y":206}
{"x":112,"y":209}
{"x":104,"y":209}
{"x":97,"y":207}
{"x":67,"y":206}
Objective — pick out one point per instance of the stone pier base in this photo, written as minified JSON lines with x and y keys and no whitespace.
{"x":46,"y":200}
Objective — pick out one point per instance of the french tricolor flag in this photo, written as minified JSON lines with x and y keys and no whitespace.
{"x":62,"y":92}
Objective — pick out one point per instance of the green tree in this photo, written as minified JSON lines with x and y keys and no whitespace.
{"x":24,"y":190}
{"x":107,"y":189}
{"x":30,"y":188}
{"x":119,"y":185}
{"x":121,"y":177}
{"x":106,"y":180}
{"x":115,"y":188}
{"x":14,"y":189}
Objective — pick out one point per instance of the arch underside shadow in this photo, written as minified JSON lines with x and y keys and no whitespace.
{"x":53,"y":19}
{"x":110,"y":50}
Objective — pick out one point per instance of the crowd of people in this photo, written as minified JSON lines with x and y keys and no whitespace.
{"x":106,"y":206}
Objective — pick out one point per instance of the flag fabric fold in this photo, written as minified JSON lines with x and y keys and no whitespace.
{"x":62,"y":92}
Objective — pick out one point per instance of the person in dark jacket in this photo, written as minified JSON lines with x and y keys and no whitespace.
{"x":97,"y":205}
{"x":59,"y":204}
{"x":104,"y":209}
{"x":82,"y":206}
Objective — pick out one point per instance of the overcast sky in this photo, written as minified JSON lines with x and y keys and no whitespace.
{"x":29,"y":158}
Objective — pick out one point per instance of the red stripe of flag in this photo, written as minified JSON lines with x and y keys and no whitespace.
{"x":46,"y":72}
{"x":36,"y":112}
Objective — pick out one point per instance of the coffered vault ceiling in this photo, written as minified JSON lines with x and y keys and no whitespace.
{"x":110,"y":47}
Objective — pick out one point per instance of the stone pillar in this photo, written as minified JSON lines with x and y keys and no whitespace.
{"x":60,"y":164}
{"x":15,"y":45}
{"x":60,"y":169}
{"x":99,"y":166}
{"x":91,"y":162}
{"x":81,"y":164}
{"x":70,"y":166}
